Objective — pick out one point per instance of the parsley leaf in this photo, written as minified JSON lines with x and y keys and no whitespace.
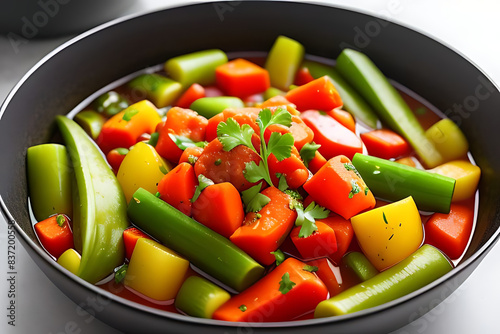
{"x":282,"y":184}
{"x":129,"y":113}
{"x":308,"y":151}
{"x":307,"y":218}
{"x":280,"y":116}
{"x":279,"y":256}
{"x":254,"y":173}
{"x":183,"y":142}
{"x":120,"y":273}
{"x":252,"y":198}
{"x":280,"y":145}
{"x":231,"y":134}
{"x":310,"y":269}
{"x":350,"y":167}
{"x":354,"y":188}
{"x":286,"y":284}
{"x":203,"y":182}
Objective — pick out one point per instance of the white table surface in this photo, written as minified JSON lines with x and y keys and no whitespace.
{"x":471,"y":27}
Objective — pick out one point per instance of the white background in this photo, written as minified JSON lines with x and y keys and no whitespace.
{"x":471,"y":27}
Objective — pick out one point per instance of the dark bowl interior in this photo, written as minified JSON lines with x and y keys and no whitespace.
{"x":89,"y":62}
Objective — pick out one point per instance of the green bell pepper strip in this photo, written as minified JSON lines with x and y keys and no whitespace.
{"x":353,"y":102}
{"x":199,"y":297}
{"x":91,"y":121}
{"x":211,"y":106}
{"x":49,"y":180}
{"x":162,"y":91}
{"x":360,"y":265}
{"x":101,"y":205}
{"x":283,"y":62}
{"x":197,"y":67}
{"x":110,"y":103}
{"x":204,"y":248}
{"x":419,"y":269}
{"x":393,"y":181}
{"x":371,"y":83}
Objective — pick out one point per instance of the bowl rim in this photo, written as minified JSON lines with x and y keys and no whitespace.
{"x":477,"y":255}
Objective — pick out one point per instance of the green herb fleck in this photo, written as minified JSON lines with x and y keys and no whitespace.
{"x":183,"y":142}
{"x":129,"y":113}
{"x":60,"y":219}
{"x":279,"y":256}
{"x":163,"y":169}
{"x":355,"y":189}
{"x":307,"y":218}
{"x":323,"y":113}
{"x":154,"y":139}
{"x":258,"y":216}
{"x":218,"y":162}
{"x":203,"y":182}
{"x":158,"y":194}
{"x":385,"y":219}
{"x":120,"y":273}
{"x":421,"y":111}
{"x":243,"y":308}
{"x":282,"y":184}
{"x":308,"y":151}
{"x":310,"y":269}
{"x":192,"y":159}
{"x":350,"y":167}
{"x":366,"y":191}
{"x":252,"y":198}
{"x":286,"y":284}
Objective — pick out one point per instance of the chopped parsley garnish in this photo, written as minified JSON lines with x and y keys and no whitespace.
{"x":192,"y":159}
{"x":183,"y":142}
{"x":307,"y":218}
{"x":60,"y":219}
{"x":286,"y":284}
{"x":163,"y":169}
{"x":366,"y":191}
{"x":282,"y":184}
{"x":129,"y":113}
{"x":279,"y":256}
{"x":308,"y":151}
{"x":218,"y":162}
{"x":203,"y":182}
{"x":355,"y":189}
{"x":231,"y":134}
{"x":310,"y":269}
{"x":120,"y":273}
{"x":252,"y":198}
{"x":350,"y":167}
{"x":385,"y":219}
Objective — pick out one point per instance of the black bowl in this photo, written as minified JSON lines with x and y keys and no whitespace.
{"x":95,"y":59}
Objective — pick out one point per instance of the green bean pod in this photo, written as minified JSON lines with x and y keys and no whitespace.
{"x":393,"y":181}
{"x":360,"y":265}
{"x":204,"y":248}
{"x":162,"y":91}
{"x":421,"y":268}
{"x":49,"y":180}
{"x":199,"y":297}
{"x":353,"y":102}
{"x":197,"y":67}
{"x":100,"y":211}
{"x":371,"y":83}
{"x":211,"y":106}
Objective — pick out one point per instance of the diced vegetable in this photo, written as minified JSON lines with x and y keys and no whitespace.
{"x":70,"y":260}
{"x":177,"y":187}
{"x":160,"y":90}
{"x":390,"y":233}
{"x":316,"y":162}
{"x":419,"y":269}
{"x":266,"y":228}
{"x":292,"y":169}
{"x":142,"y":168}
{"x":123,"y":129}
{"x":130,"y":237}
{"x":193,"y":93}
{"x":110,"y":103}
{"x":451,"y":232}
{"x":55,"y":234}
{"x":343,"y":117}
{"x":354,"y":103}
{"x":203,"y":247}
{"x":91,"y":121}
{"x":101,"y":217}
{"x":196,"y":67}
{"x":219,"y":207}
{"x":334,"y":138}
{"x":369,"y":81}
{"x":283,"y":61}
{"x":351,"y":195}
{"x":343,"y":234}
{"x":384,"y":143}
{"x":155,"y":270}
{"x":393,"y":181}
{"x":211,"y":106}
{"x":242,"y":78}
{"x":321,"y":243}
{"x":49,"y":180}
{"x":360,"y":265}
{"x":319,"y":94}
{"x":191,"y":154}
{"x":200,"y":298}
{"x":448,"y":139}
{"x":296,"y":291}
{"x":303,"y":76}
{"x":466,"y":175}
{"x":115,"y":157}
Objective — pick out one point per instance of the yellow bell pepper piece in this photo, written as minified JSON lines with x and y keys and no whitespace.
{"x":142,"y":167}
{"x":70,"y":260}
{"x":390,"y":233}
{"x":466,"y":175}
{"x":448,"y":139}
{"x":155,"y":270}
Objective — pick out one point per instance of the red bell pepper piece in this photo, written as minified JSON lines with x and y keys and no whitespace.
{"x":263,"y":232}
{"x":385,"y":144}
{"x":303,"y":76}
{"x":321,"y":243}
{"x":177,"y":187}
{"x":264,"y":301}
{"x":337,"y":187}
{"x":334,"y":138}
{"x":55,"y":234}
{"x":319,"y":94}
